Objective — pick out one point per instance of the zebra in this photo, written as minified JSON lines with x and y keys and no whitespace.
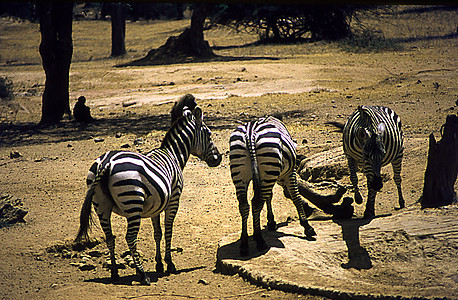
{"x":139,"y":186}
{"x":264,"y":152}
{"x":373,"y":138}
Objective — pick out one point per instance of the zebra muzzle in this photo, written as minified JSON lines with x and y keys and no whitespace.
{"x":214,"y":158}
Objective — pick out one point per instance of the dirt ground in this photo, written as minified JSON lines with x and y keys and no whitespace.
{"x":309,"y":84}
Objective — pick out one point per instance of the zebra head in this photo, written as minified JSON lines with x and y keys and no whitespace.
{"x":373,"y":154}
{"x":202,"y":145}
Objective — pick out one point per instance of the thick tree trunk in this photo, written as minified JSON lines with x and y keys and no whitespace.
{"x":56,"y":51}
{"x":442,"y":167}
{"x":118,"y":29}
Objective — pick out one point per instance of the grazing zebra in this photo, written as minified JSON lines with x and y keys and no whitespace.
{"x":372,"y":138}
{"x":263,"y":151}
{"x":142,"y":186}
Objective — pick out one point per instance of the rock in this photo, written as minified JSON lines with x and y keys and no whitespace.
{"x":130,"y":103}
{"x":15,"y":154}
{"x":118,"y":135}
{"x":203,"y":281}
{"x":138,"y":141}
{"x":99,"y":140}
{"x":86,"y":267}
{"x":11,"y":211}
{"x":124,"y":146}
{"x":95,"y":253}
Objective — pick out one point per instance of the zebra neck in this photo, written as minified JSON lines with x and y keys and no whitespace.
{"x":177,"y":142}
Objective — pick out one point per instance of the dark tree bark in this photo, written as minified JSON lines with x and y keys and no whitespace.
{"x":56,"y":51}
{"x":118,"y":29}
{"x":442,"y":167}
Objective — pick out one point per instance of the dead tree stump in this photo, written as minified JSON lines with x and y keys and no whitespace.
{"x":442,"y":166}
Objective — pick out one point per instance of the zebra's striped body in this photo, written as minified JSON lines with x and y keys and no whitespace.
{"x":263,"y":151}
{"x":372,"y":138}
{"x":140,"y":186}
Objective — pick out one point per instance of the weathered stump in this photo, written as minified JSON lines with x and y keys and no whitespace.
{"x":442,"y":166}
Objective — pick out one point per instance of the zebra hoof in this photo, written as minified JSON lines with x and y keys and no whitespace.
{"x":160,"y":267}
{"x":171,"y":268}
{"x":271,"y":226}
{"x":309,"y":231}
{"x":114,"y":276}
{"x":146,"y":281}
{"x":369,"y":215}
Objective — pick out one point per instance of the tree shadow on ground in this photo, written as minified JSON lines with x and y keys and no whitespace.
{"x":232,"y":251}
{"x":130,"y":279}
{"x":183,"y":59}
{"x":24,"y":134}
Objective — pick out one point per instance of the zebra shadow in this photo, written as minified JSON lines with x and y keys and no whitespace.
{"x":132,"y":279}
{"x":231,"y":251}
{"x":358,"y":257}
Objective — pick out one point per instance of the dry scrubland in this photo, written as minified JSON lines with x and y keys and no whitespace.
{"x":309,"y":83}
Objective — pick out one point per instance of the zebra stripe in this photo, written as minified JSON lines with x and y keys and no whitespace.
{"x":139,"y":186}
{"x":373,"y":138}
{"x":263,"y":151}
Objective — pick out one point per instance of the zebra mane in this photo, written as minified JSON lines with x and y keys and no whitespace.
{"x":185,"y":114}
{"x":178,"y":108}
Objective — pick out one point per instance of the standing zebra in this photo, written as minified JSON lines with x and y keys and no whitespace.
{"x":372,"y":138}
{"x":142,"y":186}
{"x":263,"y":151}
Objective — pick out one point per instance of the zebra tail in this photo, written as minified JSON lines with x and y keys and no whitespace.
{"x":86,"y":219}
{"x":254,"y":167}
{"x":339,"y":126}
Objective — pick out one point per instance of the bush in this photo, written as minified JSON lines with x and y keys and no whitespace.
{"x":6,"y":88}
{"x":368,"y":40}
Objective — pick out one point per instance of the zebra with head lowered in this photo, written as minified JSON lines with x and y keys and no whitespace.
{"x":263,"y":151}
{"x":372,"y":138}
{"x":140,"y":186}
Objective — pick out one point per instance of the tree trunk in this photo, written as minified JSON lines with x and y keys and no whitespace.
{"x":56,"y":51}
{"x":442,"y":167}
{"x":118,"y":29}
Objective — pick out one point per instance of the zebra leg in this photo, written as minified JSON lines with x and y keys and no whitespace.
{"x":257,"y":205}
{"x":103,"y":208}
{"x":271,"y":224}
{"x":397,"y":179}
{"x":133,"y":226}
{"x":244,"y":209}
{"x":105,"y":223}
{"x":157,"y":238}
{"x":301,"y":206}
{"x":354,"y":179}
{"x":369,"y":213}
{"x":170,"y":214}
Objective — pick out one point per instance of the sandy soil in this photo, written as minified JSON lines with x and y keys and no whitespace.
{"x":419,"y":83}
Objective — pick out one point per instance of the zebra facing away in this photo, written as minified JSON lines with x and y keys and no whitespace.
{"x":140,"y":186}
{"x":372,"y":138}
{"x":263,"y":151}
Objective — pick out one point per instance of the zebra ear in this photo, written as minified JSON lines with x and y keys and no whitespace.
{"x":363,"y":114}
{"x":198,"y":115}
